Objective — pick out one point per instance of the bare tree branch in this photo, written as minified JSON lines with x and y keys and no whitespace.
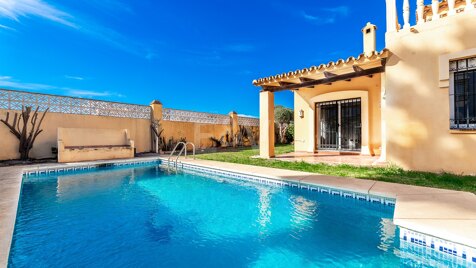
{"x":26,"y":139}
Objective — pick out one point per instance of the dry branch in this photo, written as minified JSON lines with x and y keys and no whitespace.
{"x":27,"y":139}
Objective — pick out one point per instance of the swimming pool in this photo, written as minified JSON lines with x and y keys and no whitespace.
{"x":148,"y":217}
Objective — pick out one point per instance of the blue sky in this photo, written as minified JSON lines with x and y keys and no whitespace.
{"x":195,"y":55}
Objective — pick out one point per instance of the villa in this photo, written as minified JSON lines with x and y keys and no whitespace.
{"x":412,"y":104}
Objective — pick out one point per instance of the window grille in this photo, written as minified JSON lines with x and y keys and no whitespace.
{"x":463,"y":94}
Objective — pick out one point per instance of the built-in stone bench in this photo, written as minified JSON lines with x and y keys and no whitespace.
{"x":81,"y":144}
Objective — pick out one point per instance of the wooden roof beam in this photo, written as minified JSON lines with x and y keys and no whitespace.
{"x":325,"y":81}
{"x":305,"y":79}
{"x":283,"y":84}
{"x":329,"y":74}
{"x":357,"y":68}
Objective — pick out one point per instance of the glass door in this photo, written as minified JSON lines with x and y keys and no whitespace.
{"x":340,"y":125}
{"x":329,"y":125}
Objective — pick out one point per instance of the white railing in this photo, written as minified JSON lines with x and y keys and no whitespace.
{"x":424,"y":13}
{"x":14,"y":100}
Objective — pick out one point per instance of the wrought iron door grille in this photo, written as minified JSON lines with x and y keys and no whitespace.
{"x":328,"y":125}
{"x":350,"y":126}
{"x":340,"y":125}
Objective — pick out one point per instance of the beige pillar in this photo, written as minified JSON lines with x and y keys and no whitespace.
{"x":156,"y":110}
{"x":266,"y":124}
{"x":234,"y":128}
{"x":383,"y":124}
{"x":234,"y":122}
{"x":156,"y":114}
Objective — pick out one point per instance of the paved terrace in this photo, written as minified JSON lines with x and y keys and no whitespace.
{"x":450,"y":215}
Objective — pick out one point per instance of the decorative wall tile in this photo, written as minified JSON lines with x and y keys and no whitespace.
{"x":14,"y":100}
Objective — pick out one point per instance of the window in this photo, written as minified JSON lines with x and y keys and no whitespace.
{"x":463,"y":94}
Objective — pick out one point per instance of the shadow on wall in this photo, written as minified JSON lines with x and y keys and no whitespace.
{"x":418,"y":110}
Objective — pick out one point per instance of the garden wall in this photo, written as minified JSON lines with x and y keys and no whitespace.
{"x":68,"y":112}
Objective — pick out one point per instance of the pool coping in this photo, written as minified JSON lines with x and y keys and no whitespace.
{"x":436,"y":218}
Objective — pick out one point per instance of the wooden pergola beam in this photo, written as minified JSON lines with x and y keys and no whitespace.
{"x":357,"y":68}
{"x":283,"y":84}
{"x":305,"y":79}
{"x":325,"y":81}
{"x":329,"y":74}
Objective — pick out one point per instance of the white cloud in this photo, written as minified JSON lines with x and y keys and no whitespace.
{"x":14,"y":9}
{"x":340,"y":10}
{"x":17,"y":9}
{"x":246,"y":115}
{"x":9,"y":82}
{"x":79,"y":78}
{"x":329,"y":15}
{"x":6,"y":27}
{"x":89,"y":93}
{"x":317,"y":19}
{"x":150,"y":56}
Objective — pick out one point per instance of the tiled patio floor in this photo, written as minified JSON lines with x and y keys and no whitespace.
{"x":332,"y":158}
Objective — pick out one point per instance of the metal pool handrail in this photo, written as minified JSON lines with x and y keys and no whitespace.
{"x":184,"y":148}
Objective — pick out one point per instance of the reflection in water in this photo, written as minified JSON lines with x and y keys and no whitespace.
{"x":426,"y":257}
{"x":303,"y":212}
{"x":387,"y":234}
{"x":264,"y":208}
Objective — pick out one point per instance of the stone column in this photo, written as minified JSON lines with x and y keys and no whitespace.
{"x":234,"y":128}
{"x":234,"y":122}
{"x":266,"y":124}
{"x":156,"y":114}
{"x":156,"y":110}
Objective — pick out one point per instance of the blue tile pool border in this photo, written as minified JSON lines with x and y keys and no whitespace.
{"x":438,"y":245}
{"x":287,"y":183}
{"x":407,"y":236}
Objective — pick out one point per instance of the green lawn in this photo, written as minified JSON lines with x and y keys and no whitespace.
{"x":389,"y":174}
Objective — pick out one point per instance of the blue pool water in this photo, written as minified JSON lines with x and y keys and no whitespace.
{"x":145,"y":217}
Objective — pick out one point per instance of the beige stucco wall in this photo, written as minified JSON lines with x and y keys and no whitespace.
{"x":367,"y":88}
{"x":197,"y":133}
{"x":92,"y":137}
{"x":417,"y":108}
{"x":139,"y":130}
